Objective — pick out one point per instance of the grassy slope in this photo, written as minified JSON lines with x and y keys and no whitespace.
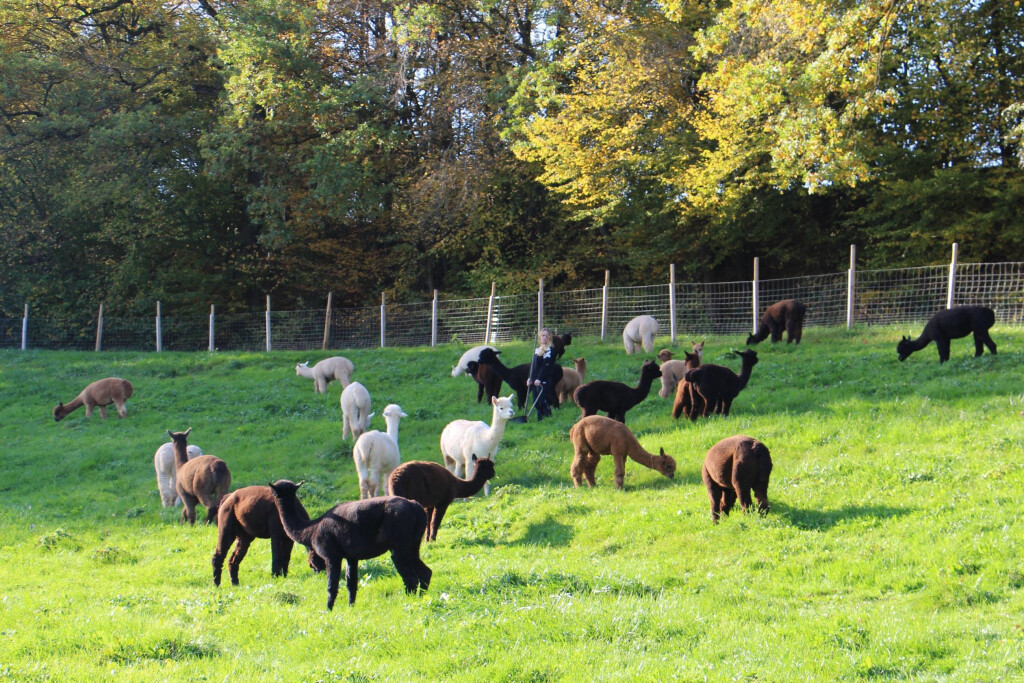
{"x":893,"y":548}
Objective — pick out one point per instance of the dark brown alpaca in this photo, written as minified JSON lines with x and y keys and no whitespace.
{"x":717,"y":385}
{"x":787,"y":315}
{"x":616,"y":398}
{"x":204,"y":479}
{"x":733,"y":467}
{"x":687,"y":400}
{"x":99,"y":394}
{"x":355,"y":531}
{"x":953,"y":323}
{"x":488,"y":382}
{"x":434,"y":487}
{"x":250,"y":513}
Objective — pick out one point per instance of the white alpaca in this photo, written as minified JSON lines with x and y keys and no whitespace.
{"x":355,"y":410}
{"x":472,"y":354}
{"x":672,"y":372}
{"x":163,"y":462}
{"x":376,"y":454}
{"x":335,"y":367}
{"x":640,"y":330}
{"x":462,"y":439}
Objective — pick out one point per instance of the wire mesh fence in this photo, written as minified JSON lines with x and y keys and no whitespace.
{"x":881,"y":297}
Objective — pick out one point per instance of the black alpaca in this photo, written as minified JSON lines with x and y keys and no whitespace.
{"x":953,"y":323}
{"x":787,"y":315}
{"x":717,"y":385}
{"x":246,"y":514}
{"x":615,"y":398}
{"x":558,"y":344}
{"x":355,"y":531}
{"x":434,"y":487}
{"x":487,"y":381}
{"x":517,"y":377}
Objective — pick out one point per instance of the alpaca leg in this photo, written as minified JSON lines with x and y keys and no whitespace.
{"x":407,"y":563}
{"x":726,"y":407}
{"x":943,"y":346}
{"x":280,"y":552}
{"x":333,"y":578}
{"x":714,"y":493}
{"x":728,"y":499}
{"x":103,"y":412}
{"x":225,"y":537}
{"x":620,"y":470}
{"x":761,"y":496}
{"x":88,"y":409}
{"x":435,"y":522}
{"x":122,"y":412}
{"x":629,"y":344}
{"x":776,"y":330}
{"x":986,"y":339}
{"x":166,"y":486}
{"x":742,"y":491}
{"x":424,"y":573}
{"x":346,"y":427}
{"x":649,"y":342}
{"x":241,"y":549}
{"x":352,"y":579}
{"x":590,"y":469}
{"x":578,"y":467}
{"x":188,"y":507}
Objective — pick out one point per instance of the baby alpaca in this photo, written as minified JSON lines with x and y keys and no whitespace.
{"x":570,"y":380}
{"x":640,"y":330}
{"x":597,"y":435}
{"x":376,"y":454}
{"x":99,"y":394}
{"x":335,"y":367}
{"x":355,"y":531}
{"x":733,"y":467}
{"x":163,"y":462}
{"x":355,"y":410}
{"x":434,"y":487}
{"x":787,"y":315}
{"x":953,"y":323}
{"x":673,"y":371}
{"x":204,"y":479}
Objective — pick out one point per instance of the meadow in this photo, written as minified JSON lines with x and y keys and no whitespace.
{"x":893,"y":548}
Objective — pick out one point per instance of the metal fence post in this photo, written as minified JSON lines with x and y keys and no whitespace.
{"x":757,"y":276}
{"x":433,"y":321}
{"x":672,"y":299}
{"x":268,"y":322}
{"x":604,"y":303}
{"x":327,"y":321}
{"x":383,"y":321}
{"x":490,"y":314}
{"x":159,"y":330}
{"x":851,"y":286}
{"x":99,"y":330}
{"x":212,"y":347}
{"x":952,"y":277}
{"x":24,"y":330}
{"x":540,"y":306}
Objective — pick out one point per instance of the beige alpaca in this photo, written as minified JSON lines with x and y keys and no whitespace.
{"x":596,"y":435}
{"x":570,"y":380}
{"x":99,"y":394}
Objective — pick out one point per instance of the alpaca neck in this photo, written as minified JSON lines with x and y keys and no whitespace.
{"x":644,"y":387}
{"x":762,"y":332}
{"x":640,"y":455}
{"x":581,"y":368}
{"x":180,"y":453}
{"x":304,"y":371}
{"x":744,"y":375}
{"x":501,"y":370}
{"x":298,"y":528}
{"x":497,"y":428}
{"x":466,"y":488}
{"x":920,"y":342}
{"x":393,"y":429}
{"x":74,"y":405}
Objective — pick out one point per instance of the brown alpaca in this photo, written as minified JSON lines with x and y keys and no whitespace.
{"x":99,"y":394}
{"x":665,"y":355}
{"x":250,"y":513}
{"x":673,"y":371}
{"x":733,"y":467}
{"x":786,"y":315}
{"x":596,"y":435}
{"x":204,"y":479}
{"x":688,"y":400}
{"x":434,"y":487}
{"x":570,"y":380}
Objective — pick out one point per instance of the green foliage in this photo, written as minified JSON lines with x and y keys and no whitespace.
{"x":891,"y":549}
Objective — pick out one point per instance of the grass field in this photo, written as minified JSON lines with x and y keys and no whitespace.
{"x":893,"y":549}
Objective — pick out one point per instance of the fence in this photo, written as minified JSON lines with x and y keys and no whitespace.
{"x":870,"y":297}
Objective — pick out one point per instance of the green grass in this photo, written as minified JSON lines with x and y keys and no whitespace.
{"x":893,"y":549}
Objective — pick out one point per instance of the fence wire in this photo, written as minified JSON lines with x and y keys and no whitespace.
{"x":881,"y":297}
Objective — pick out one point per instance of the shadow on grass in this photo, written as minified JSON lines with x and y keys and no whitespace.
{"x":546,"y":533}
{"x":826,"y":519}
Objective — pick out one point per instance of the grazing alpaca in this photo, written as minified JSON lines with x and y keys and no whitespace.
{"x":673,"y":371}
{"x":487,"y":381}
{"x":434,"y":487}
{"x":355,"y":410}
{"x":787,"y":315}
{"x":250,"y":513}
{"x":733,"y":467}
{"x":376,"y":454}
{"x":204,"y":479}
{"x":558,"y":344}
{"x":597,"y":435}
{"x":462,"y":439}
{"x":516,"y":378}
{"x":717,"y":385}
{"x":953,"y":323}
{"x":355,"y":531}
{"x":335,"y":367}
{"x":462,"y":366}
{"x":570,"y":380}
{"x":615,"y":398}
{"x":163,"y":463}
{"x":640,"y":330}
{"x":99,"y":394}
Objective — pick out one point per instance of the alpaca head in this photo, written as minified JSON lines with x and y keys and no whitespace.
{"x":484,"y":468}
{"x":751,"y":339}
{"x":471,"y":368}
{"x":692,"y":360}
{"x":393,"y":412}
{"x":489,"y":356}
{"x":59,"y":414}
{"x":650,"y":370}
{"x":748,"y":356}
{"x":303,"y":366}
{"x":698,"y":347}
{"x":665,"y":355}
{"x":666,"y":464}
{"x":503,"y":406}
{"x":903,"y":349}
{"x":284,"y":489}
{"x":180,"y":437}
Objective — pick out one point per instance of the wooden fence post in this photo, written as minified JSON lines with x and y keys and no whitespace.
{"x":327,"y":321}
{"x":268,"y":322}
{"x":212,"y":347}
{"x":604,"y":303}
{"x":159,"y":330}
{"x":24,"y":330}
{"x":490,"y":313}
{"x":757,"y":276}
{"x":851,"y":286}
{"x":433,"y":321}
{"x":951,"y":292}
{"x":672,"y":299}
{"x":383,"y":321}
{"x":99,"y":330}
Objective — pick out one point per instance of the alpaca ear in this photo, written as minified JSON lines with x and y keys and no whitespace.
{"x":661,"y":452}
{"x":473,"y":458}
{"x":300,"y":484}
{"x":188,"y":431}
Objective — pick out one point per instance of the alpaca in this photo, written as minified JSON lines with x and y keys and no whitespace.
{"x":731,"y":468}
{"x":516,"y":378}
{"x":558,"y":344}
{"x":687,"y":400}
{"x":472,"y":354}
{"x":672,"y":372}
{"x":376,"y":454}
{"x":615,"y":398}
{"x":953,"y":323}
{"x":99,"y":394}
{"x":698,"y":348}
{"x":570,"y":380}
{"x":355,"y":531}
{"x":596,"y":435}
{"x":335,"y":367}
{"x":640,"y":330}
{"x":204,"y":479}
{"x":487,"y":381}
{"x":787,"y":315}
{"x":355,"y":410}
{"x":462,"y":439}
{"x":718,"y":385}
{"x":434,"y":487}
{"x":665,"y":355}
{"x":163,"y":463}
{"x":249,"y":513}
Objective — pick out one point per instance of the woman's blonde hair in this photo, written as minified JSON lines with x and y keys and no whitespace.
{"x":541,"y":347}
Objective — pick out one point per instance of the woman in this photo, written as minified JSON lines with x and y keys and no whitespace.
{"x":544,"y":375}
